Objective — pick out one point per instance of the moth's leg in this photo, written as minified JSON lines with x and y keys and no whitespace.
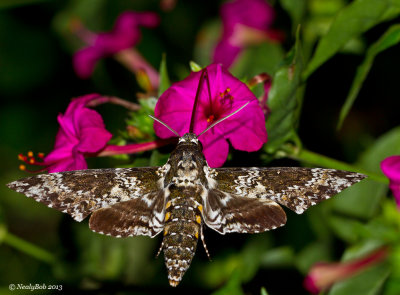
{"x":159,"y":250}
{"x":204,"y":242}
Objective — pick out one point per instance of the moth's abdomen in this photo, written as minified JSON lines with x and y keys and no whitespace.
{"x":181,"y":232}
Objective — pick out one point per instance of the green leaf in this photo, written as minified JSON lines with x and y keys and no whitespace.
{"x":209,"y":34}
{"x":348,"y":229}
{"x":164,"y":78}
{"x":362,"y":200}
{"x":354,"y":19}
{"x":194,"y":67}
{"x":284,"y":99}
{"x":3,"y":232}
{"x":158,"y":159}
{"x":263,"y":291}
{"x":141,"y":119}
{"x":311,"y":254}
{"x":389,"y":39}
{"x":107,"y":258}
{"x":247,"y":261}
{"x":384,"y":227}
{"x":277,"y":257}
{"x":232,"y":287}
{"x":263,"y":58}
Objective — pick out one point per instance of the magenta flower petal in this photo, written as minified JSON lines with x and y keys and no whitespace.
{"x":79,"y":102}
{"x":215,"y":149}
{"x":166,"y":109}
{"x":85,"y":60}
{"x":60,"y":154}
{"x":254,"y":15}
{"x":75,"y":161}
{"x":256,"y":135}
{"x":146,"y":19}
{"x":124,"y":35}
{"x":92,"y":140}
{"x":225,"y":53}
{"x":257,"y":14}
{"x":246,"y":129}
{"x":391,"y":168}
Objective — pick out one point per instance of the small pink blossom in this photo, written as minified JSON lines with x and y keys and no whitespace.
{"x":391,"y":168}
{"x":245,"y":22}
{"x":124,"y":35}
{"x":324,"y":275}
{"x":245,"y":130}
{"x":82,"y":132}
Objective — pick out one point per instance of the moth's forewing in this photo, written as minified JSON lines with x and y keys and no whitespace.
{"x":294,"y":187}
{"x":79,"y":193}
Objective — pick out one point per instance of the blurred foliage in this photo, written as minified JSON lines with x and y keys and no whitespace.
{"x":333,"y":49}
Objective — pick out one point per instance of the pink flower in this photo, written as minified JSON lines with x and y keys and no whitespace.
{"x":324,"y":275}
{"x":82,"y":132}
{"x":245,"y":22}
{"x":391,"y":168}
{"x":245,"y":130}
{"x":124,"y":35}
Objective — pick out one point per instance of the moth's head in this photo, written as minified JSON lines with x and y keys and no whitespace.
{"x":189,"y":139}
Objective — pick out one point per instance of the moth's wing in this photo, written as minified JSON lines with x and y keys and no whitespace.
{"x":79,"y":193}
{"x":140,"y":216}
{"x":227,"y":213}
{"x":294,"y":187}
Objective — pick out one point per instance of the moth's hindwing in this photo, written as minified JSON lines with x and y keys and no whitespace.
{"x":79,"y":193}
{"x":140,"y":216}
{"x":294,"y":187}
{"x":225,"y":213}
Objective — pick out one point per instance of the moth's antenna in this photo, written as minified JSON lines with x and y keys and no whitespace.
{"x":224,"y":118}
{"x":164,"y":124}
{"x":204,"y":73}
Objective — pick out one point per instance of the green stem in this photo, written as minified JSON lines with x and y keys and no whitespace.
{"x":27,"y":248}
{"x":324,"y":161}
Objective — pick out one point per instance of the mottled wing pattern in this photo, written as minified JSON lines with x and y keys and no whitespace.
{"x":294,"y":187}
{"x":79,"y":193}
{"x":225,"y":213}
{"x":140,"y":216}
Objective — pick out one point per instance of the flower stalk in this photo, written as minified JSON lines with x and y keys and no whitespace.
{"x":111,"y":150}
{"x":323,"y":275}
{"x":114,"y":100}
{"x":25,"y":247}
{"x":134,"y":61}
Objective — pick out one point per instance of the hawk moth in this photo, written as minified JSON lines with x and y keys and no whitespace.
{"x":183,"y":196}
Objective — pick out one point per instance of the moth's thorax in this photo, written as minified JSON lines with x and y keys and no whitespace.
{"x":186,"y":164}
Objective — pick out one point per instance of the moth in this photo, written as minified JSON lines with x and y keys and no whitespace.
{"x":183,"y":196}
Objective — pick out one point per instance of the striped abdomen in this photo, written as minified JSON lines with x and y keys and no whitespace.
{"x":181,"y":232}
